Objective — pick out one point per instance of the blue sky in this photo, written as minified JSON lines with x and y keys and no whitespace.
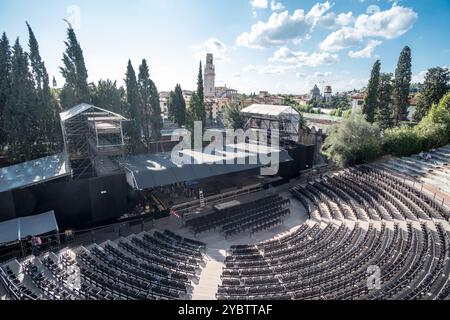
{"x":283,"y":46}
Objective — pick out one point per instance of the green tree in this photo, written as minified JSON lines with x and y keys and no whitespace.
{"x":432,"y":134}
{"x":347,"y":114}
{"x":133,"y":128}
{"x":303,"y":128}
{"x":402,"y":83}
{"x":46,"y":109}
{"x":200,"y":86}
{"x":371,"y":100}
{"x":438,"y":114}
{"x":196,"y":111}
{"x":435,"y":87}
{"x":385,"y":114}
{"x":198,"y":104}
{"x":232,"y":116}
{"x":5,"y":84}
{"x":171,"y":105}
{"x":445,"y":102}
{"x":76,"y":89}
{"x":106,"y":94}
{"x":353,"y":141}
{"x":19,"y":118}
{"x":156,"y":120}
{"x":177,"y":106}
{"x":150,"y":105}
{"x":401,"y":141}
{"x":144,"y":89}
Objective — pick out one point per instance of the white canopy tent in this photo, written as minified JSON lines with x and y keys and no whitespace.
{"x":19,"y":228}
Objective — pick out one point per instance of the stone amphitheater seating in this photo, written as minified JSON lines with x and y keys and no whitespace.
{"x":363,"y":220}
{"x":434,"y":171}
{"x":360,"y":218}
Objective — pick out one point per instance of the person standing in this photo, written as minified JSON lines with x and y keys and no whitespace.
{"x":34,"y":247}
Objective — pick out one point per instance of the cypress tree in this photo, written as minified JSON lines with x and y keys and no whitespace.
{"x":150,"y":105}
{"x":45,"y":111}
{"x":76,"y":89}
{"x":37,"y":65}
{"x":402,"y":85}
{"x":385,"y":114}
{"x":19,"y":121}
{"x":134,"y":114}
{"x":144,"y":88}
{"x":371,"y":99}
{"x":192,"y":116}
{"x":156,"y":121}
{"x":5,"y":83}
{"x":200,"y":87}
{"x":198,"y":104}
{"x":171,"y":102}
{"x":180,"y":106}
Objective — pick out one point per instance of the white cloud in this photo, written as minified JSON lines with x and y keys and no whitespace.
{"x":283,"y":27}
{"x":276,"y":6}
{"x":316,"y":13}
{"x":301,"y":58}
{"x":269,"y":69}
{"x":342,"y":39}
{"x":278,"y":30}
{"x":367,"y":51}
{"x":322,"y":74}
{"x":332,"y":20}
{"x":262,"y":4}
{"x":389,"y":24}
{"x":212,"y":45}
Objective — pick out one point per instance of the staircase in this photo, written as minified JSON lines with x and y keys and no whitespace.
{"x":202,"y":198}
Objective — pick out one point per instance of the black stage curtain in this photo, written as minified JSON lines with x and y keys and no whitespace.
{"x":7,"y":208}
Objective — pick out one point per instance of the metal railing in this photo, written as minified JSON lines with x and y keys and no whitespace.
{"x":72,"y":238}
{"x":186,"y":208}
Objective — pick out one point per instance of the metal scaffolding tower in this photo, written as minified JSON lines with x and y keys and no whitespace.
{"x":91,"y":135}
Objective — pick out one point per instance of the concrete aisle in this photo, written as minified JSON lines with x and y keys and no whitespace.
{"x":206,"y":289}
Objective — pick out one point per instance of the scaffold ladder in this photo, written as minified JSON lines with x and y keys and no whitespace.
{"x":202,"y":198}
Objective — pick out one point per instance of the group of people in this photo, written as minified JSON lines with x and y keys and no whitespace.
{"x":35,"y":243}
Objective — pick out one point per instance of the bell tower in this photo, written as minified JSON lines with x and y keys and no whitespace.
{"x":210,"y":76}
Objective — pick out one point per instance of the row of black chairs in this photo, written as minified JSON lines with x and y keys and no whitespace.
{"x":161,"y":265}
{"x":367,"y":194}
{"x":254,"y":216}
{"x":336,"y":266}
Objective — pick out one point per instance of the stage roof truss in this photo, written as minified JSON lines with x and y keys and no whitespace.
{"x":273,"y":117}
